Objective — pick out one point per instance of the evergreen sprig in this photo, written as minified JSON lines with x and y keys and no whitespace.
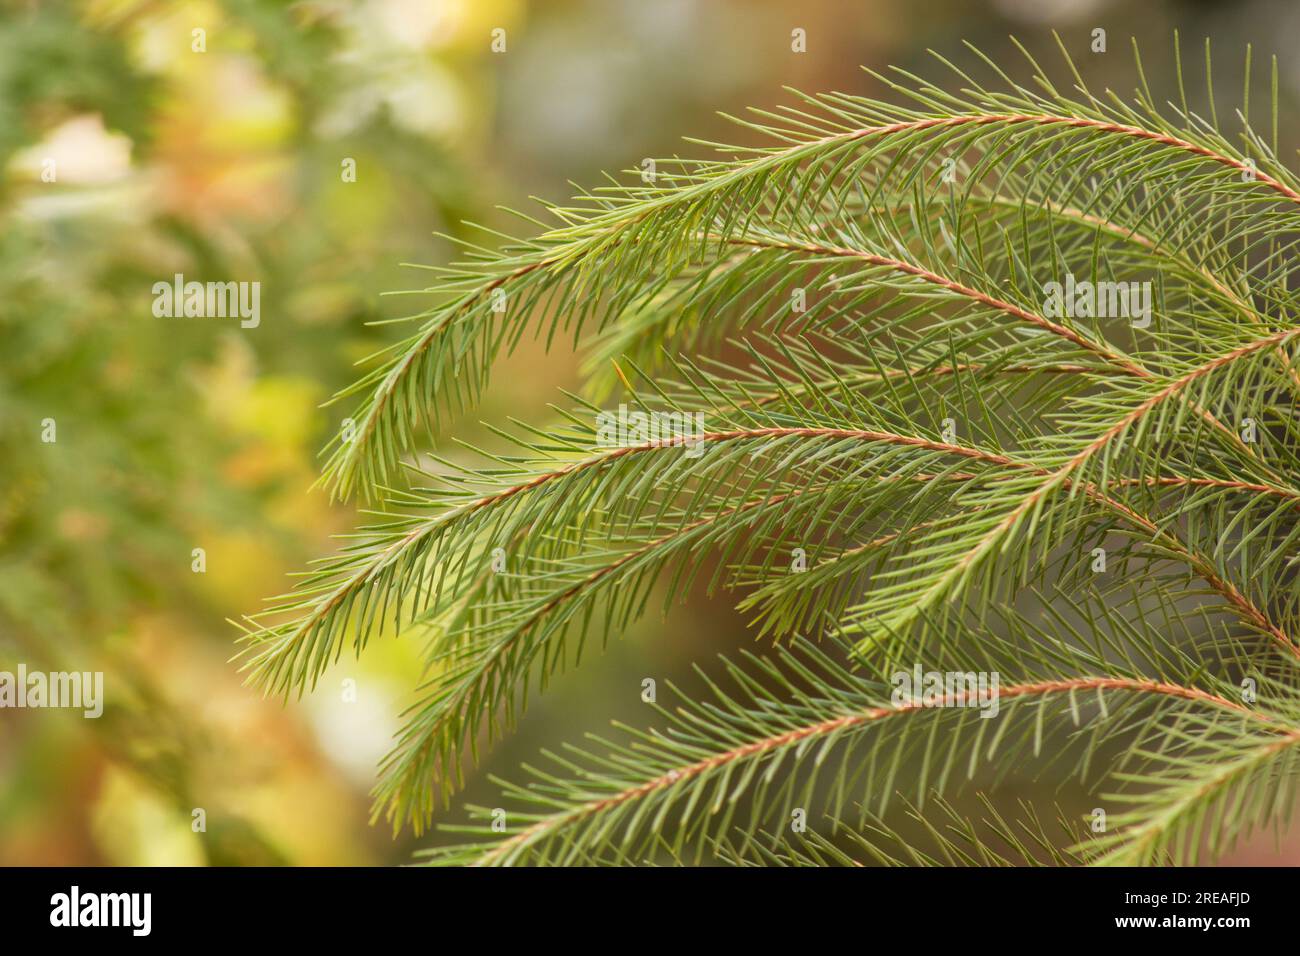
{"x":860,"y":307}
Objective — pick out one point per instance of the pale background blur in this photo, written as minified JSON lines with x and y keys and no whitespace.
{"x":174,"y":435}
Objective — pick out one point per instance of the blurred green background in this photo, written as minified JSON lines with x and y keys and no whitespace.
{"x":174,"y":435}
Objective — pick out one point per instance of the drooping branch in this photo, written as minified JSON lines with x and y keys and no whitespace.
{"x":758,"y":748}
